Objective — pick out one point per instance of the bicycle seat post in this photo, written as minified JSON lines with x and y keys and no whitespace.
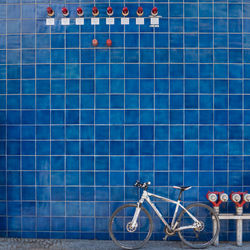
{"x":179,"y":198}
{"x":181,"y":188}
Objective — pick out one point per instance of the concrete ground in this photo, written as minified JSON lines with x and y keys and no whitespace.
{"x":33,"y":244}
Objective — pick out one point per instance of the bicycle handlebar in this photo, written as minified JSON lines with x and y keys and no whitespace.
{"x":142,"y":185}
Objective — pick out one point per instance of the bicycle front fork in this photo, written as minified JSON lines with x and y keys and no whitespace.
{"x":135,"y":217}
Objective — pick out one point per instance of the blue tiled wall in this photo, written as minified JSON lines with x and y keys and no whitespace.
{"x":79,"y":125}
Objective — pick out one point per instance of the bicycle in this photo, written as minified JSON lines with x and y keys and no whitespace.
{"x":131,"y":225}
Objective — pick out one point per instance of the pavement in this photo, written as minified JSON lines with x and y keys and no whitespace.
{"x":42,"y":244}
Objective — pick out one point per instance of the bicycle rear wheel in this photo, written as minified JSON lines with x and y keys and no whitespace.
{"x":202,"y":236}
{"x":122,"y":234}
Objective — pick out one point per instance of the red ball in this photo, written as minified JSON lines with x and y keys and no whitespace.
{"x":94,"y":42}
{"x":109,"y":42}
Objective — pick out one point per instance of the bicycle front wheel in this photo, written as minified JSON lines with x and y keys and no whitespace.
{"x":201,"y":236}
{"x":123,"y":234}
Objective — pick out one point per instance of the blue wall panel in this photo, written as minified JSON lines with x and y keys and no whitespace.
{"x":79,"y":125}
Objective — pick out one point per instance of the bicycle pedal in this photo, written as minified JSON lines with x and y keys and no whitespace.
{"x":165,"y":238}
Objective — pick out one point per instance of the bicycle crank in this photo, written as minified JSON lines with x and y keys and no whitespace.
{"x":168,"y":232}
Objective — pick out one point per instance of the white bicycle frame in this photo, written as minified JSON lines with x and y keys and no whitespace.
{"x":146,"y":196}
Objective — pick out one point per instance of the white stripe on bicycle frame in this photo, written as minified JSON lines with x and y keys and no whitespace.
{"x":170,"y":201}
{"x":175,"y":214}
{"x":157,"y":211}
{"x":186,"y":227}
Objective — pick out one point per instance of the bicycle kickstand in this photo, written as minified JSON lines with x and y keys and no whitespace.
{"x":165,"y":237}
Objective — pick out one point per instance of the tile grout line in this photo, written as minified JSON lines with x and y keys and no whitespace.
{"x":50,"y":168}
{"x":243,"y":101}
{"x":6,"y":130}
{"x":65,"y":124}
{"x":94,"y":131}
{"x":124,"y":114}
{"x":109,"y":91}
{"x":21,"y":142}
{"x":169,"y":105}
{"x":81,"y":204}
{"x":213,"y":106}
{"x":35,"y":59}
{"x":199,"y":82}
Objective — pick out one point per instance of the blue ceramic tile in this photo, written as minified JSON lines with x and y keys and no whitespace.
{"x":28,"y":10}
{"x":206,"y":41}
{"x":13,"y":26}
{"x":14,"y":208}
{"x":3,"y":11}
{"x":191,"y":10}
{"x":14,"y":223}
{"x":28,"y":193}
{"x":13,"y":11}
{"x":176,"y":25}
{"x":220,"y":10}
{"x":72,"y":41}
{"x":176,"y":10}
{"x":28,"y":26}
{"x":146,"y":101}
{"x":220,"y":56}
{"x":220,"y":25}
{"x":235,"y":40}
{"x":176,"y":40}
{"x":235,"y":25}
{"x":28,"y":72}
{"x":161,"y":86}
{"x":160,"y":178}
{"x":235,"y":10}
{"x":43,"y":223}
{"x":28,"y":41}
{"x":102,"y":102}
{"x":176,"y":56}
{"x":43,"y":194}
{"x":3,"y":27}
{"x":176,"y":132}
{"x":205,"y":10}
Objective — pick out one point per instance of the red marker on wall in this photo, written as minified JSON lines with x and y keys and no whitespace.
{"x":110,"y":11}
{"x":65,"y":11}
{"x":154,"y":11}
{"x":95,"y":11}
{"x":139,"y":11}
{"x":109,"y":42}
{"x":125,"y":11}
{"x":79,"y":11}
{"x":50,"y":11}
{"x":94,"y":42}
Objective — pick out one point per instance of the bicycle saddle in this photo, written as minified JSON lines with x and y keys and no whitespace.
{"x":182,"y":188}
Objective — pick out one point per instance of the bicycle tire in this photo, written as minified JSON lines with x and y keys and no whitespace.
{"x":122,"y":234}
{"x":210,"y":213}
